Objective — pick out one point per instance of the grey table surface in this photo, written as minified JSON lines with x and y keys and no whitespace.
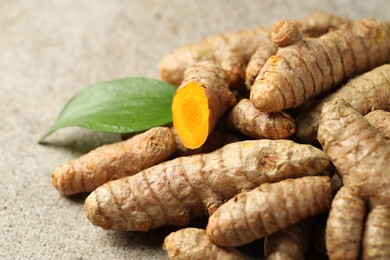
{"x":49,"y":50}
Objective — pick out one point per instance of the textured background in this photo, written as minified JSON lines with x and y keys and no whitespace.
{"x":49,"y":50}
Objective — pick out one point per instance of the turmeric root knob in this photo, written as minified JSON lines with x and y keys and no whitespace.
{"x":192,"y":243}
{"x":360,"y":155}
{"x":114,"y":161}
{"x":368,"y":91}
{"x":246,"y":119}
{"x":380,"y":120}
{"x":311,"y":67}
{"x":176,"y":191}
{"x":267,"y":209}
{"x":313,"y":25}
{"x":285,"y":33}
{"x":290,"y":243}
{"x":199,"y":102}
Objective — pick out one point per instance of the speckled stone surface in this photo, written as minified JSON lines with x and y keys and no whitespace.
{"x":49,"y":50}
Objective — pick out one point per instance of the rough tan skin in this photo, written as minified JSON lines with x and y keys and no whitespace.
{"x":193,"y":243}
{"x":218,"y":138}
{"x":316,"y":24}
{"x":290,"y":243}
{"x":226,"y":49}
{"x":245,"y":118}
{"x":233,"y":50}
{"x":345,"y":225}
{"x":365,"y":93}
{"x":380,"y":120}
{"x":268,"y":209}
{"x":362,"y":157}
{"x":306,"y":68}
{"x":266,"y":49}
{"x":176,"y":191}
{"x":114,"y":161}
{"x":313,"y":25}
{"x":212,"y":78}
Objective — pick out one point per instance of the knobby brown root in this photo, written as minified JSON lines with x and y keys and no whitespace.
{"x":234,"y":50}
{"x":357,"y":150}
{"x":286,"y":33}
{"x":313,"y":25}
{"x":245,"y":118}
{"x":176,"y":191}
{"x":376,"y":240}
{"x":193,"y":243}
{"x":380,"y":120}
{"x":365,"y":93}
{"x":114,"y":161}
{"x":265,"y":50}
{"x":231,"y":50}
{"x":316,"y":24}
{"x":290,"y":243}
{"x":268,"y":209}
{"x":199,"y":102}
{"x":344,"y":227}
{"x":311,"y":67}
{"x":360,"y":155}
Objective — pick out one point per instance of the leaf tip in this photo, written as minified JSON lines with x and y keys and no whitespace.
{"x":42,"y":140}
{"x":43,"y":137}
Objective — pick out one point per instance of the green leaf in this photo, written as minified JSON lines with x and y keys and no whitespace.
{"x":118,"y":106}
